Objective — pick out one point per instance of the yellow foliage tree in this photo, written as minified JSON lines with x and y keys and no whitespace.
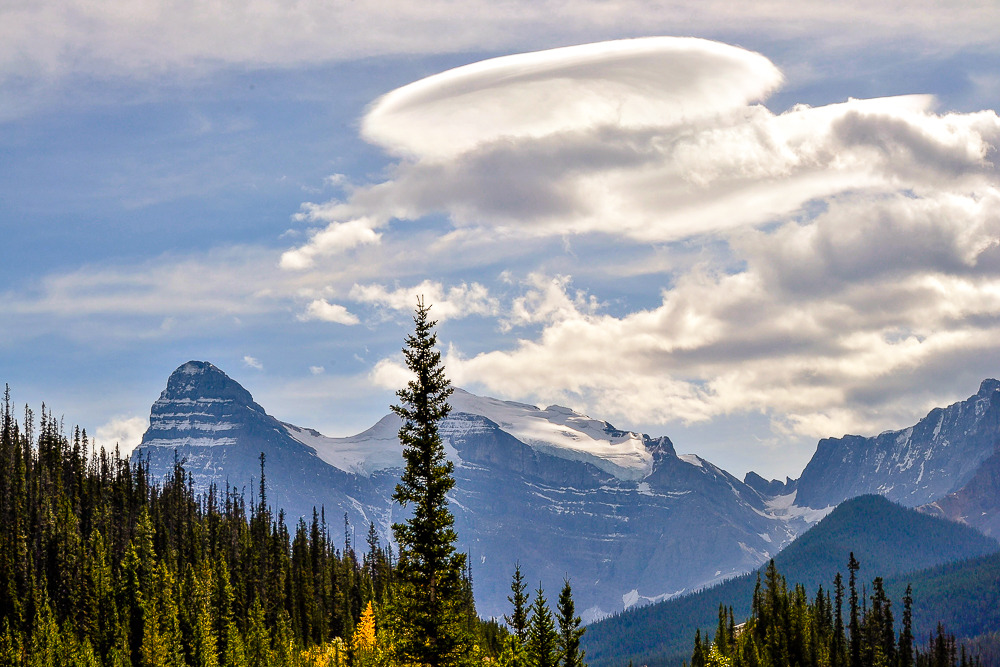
{"x":363,"y":642}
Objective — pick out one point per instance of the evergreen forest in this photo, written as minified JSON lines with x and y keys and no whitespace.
{"x":787,"y":628}
{"x":102,"y":566}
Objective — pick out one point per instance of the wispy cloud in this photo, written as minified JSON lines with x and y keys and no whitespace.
{"x":153,"y":36}
{"x":251,"y":362}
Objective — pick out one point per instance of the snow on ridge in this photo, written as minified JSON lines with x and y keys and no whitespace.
{"x":564,"y":433}
{"x":377,"y":448}
{"x":693,"y":459}
{"x":556,"y":430}
{"x":189,"y":441}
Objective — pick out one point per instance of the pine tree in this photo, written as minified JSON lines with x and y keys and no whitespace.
{"x":542,"y":647}
{"x":854,"y":656}
{"x":518,"y":620}
{"x":431,"y":628}
{"x":906,"y":634}
{"x":569,"y":629}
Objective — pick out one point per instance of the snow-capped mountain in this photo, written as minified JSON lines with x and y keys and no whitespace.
{"x":562,"y":494}
{"x":913,"y":466}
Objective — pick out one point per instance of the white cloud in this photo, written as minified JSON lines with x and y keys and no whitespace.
{"x":146,"y":37}
{"x":125,"y":432}
{"x":317,"y":370}
{"x":324,"y":311}
{"x":628,"y":168}
{"x":455,"y":302}
{"x":548,"y":300}
{"x":251,"y":362}
{"x":818,"y":331}
{"x":335,"y":238}
{"x":857,"y":241}
{"x":630,"y":84}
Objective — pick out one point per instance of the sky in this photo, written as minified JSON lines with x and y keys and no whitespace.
{"x":746,"y":226}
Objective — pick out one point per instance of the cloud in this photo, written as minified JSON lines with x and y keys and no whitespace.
{"x":317,"y":370}
{"x":853,"y":244}
{"x":333,"y":239}
{"x":324,"y":311}
{"x":251,"y":362}
{"x":60,"y":37}
{"x":125,"y":432}
{"x":526,"y":152}
{"x":454,"y":302}
{"x":631,"y":84}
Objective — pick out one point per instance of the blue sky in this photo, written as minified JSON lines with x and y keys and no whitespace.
{"x":650,"y":231}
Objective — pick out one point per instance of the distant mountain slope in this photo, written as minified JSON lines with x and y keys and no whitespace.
{"x":913,"y":466}
{"x":564,"y":494}
{"x":886,"y":538}
{"x":964,"y":595}
{"x":976,"y":504}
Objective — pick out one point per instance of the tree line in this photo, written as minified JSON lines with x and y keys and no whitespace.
{"x":787,"y":629}
{"x":103,"y":566}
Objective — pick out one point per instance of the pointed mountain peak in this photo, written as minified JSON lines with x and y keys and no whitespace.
{"x":203,"y":406}
{"x":202,"y":380}
{"x":988,"y":387}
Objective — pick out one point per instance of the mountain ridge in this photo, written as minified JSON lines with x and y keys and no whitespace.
{"x":629,"y":518}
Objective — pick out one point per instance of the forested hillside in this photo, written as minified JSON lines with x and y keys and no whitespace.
{"x":887,"y":539}
{"x":851,"y":625}
{"x":101,"y":565}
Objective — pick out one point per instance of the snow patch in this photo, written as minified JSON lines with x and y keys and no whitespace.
{"x":693,"y":459}
{"x":377,"y":448}
{"x":563,"y":433}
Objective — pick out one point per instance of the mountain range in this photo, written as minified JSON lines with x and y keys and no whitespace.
{"x":900,"y":545}
{"x":562,"y":494}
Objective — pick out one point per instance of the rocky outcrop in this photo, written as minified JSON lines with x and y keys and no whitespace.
{"x":913,"y":466}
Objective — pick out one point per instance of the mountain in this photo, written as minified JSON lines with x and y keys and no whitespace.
{"x":913,"y":466}
{"x":887,"y":539}
{"x":559,"y":492}
{"x":212,"y":424}
{"x":976,"y":504}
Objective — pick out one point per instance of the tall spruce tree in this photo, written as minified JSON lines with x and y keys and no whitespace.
{"x":569,"y":629}
{"x":431,"y":628}
{"x":518,"y":620}
{"x":543,"y":640}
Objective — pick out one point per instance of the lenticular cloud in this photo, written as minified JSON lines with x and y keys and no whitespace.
{"x":630,"y":84}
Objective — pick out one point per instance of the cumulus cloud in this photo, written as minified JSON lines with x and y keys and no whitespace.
{"x":333,"y":239}
{"x":322,"y":310}
{"x":455,"y":302}
{"x":121,"y":431}
{"x":526,"y":150}
{"x":859,"y":239}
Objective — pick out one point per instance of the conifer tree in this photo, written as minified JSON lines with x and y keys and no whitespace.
{"x":854,"y":656}
{"x":906,"y":634}
{"x":542,"y":647}
{"x":518,"y":620}
{"x":431,"y":628}
{"x":569,"y":629}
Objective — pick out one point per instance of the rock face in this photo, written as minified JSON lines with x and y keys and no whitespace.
{"x":562,"y":494}
{"x":913,"y":466}
{"x":976,"y":504}
{"x":212,"y":424}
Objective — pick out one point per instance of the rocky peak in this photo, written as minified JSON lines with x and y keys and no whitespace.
{"x":200,"y":380}
{"x":202,"y":406}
